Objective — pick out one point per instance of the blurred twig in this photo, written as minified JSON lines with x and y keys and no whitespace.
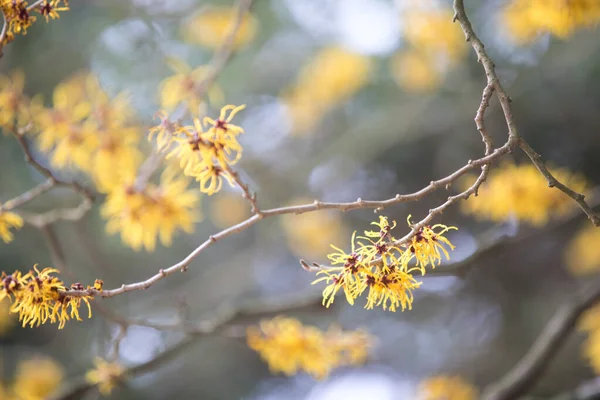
{"x":43,"y":219}
{"x":524,"y":375}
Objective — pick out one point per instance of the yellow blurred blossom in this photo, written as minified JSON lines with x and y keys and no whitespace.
{"x":186,"y":87}
{"x":88,"y":129}
{"x":446,"y":388}
{"x":521,"y":191}
{"x":8,"y":221}
{"x":106,"y":375}
{"x":583,"y":252}
{"x":435,"y":45}
{"x":37,"y":379}
{"x":36,"y":296}
{"x":309,"y":235}
{"x":415,"y":71}
{"x":14,"y":105}
{"x":377,"y":263}
{"x":527,"y":19}
{"x":228,"y":209}
{"x":6,"y":318}
{"x":212,"y":26}
{"x":290,"y":347}
{"x":333,"y":76}
{"x":142,"y":215}
{"x":205,"y":155}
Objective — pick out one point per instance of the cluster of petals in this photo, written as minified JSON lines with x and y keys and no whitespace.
{"x":37,"y":297}
{"x":205,"y":155}
{"x":381,"y":266}
{"x":289,"y":347}
{"x":18,"y":17}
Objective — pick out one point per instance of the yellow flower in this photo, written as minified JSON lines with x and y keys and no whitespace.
{"x":427,"y":246}
{"x":591,"y":350}
{"x":184,"y":87}
{"x":155,"y":211}
{"x":228,"y":209}
{"x":415,"y":71}
{"x":50,"y":8}
{"x":446,"y":388}
{"x":212,"y":26}
{"x":106,"y":375}
{"x":527,"y":19}
{"x":17,"y":16}
{"x":37,"y":379}
{"x":290,"y":347}
{"x":37,"y":298}
{"x":334,"y":75}
{"x":8,"y":221}
{"x":583,"y":253}
{"x":14,"y":105}
{"x":394,"y":287}
{"x":521,"y":191}
{"x":204,"y":155}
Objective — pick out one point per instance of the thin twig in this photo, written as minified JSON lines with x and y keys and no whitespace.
{"x":524,"y":375}
{"x":28,"y":196}
{"x":251,"y":197}
{"x":536,"y":159}
{"x":3,"y":32}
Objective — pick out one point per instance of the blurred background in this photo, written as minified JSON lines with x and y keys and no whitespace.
{"x":345,"y":99}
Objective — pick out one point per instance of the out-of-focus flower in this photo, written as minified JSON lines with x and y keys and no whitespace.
{"x":106,"y":375}
{"x":527,"y":19}
{"x":50,"y":8}
{"x":583,"y":252}
{"x":521,"y":191}
{"x":205,"y":155}
{"x":309,"y":235}
{"x":37,"y":379}
{"x":185,"y":87}
{"x":6,"y":318}
{"x":415,"y":71}
{"x":435,"y":45}
{"x":212,"y":26}
{"x":590,"y":323}
{"x":14,"y":105}
{"x":378,"y":263}
{"x":88,"y":129}
{"x":290,"y":347}
{"x":333,"y":76}
{"x":36,"y":296}
{"x":446,"y":388}
{"x":8,"y":221}
{"x":140,"y":216}
{"x":228,"y":209}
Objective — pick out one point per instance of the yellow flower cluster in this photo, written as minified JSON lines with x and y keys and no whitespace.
{"x":435,"y":43}
{"x":88,"y":129}
{"x":17,"y":14}
{"x":204,"y":155}
{"x":8,"y":221}
{"x":446,"y":388}
{"x":521,"y":191}
{"x":106,"y":375}
{"x":36,"y":296}
{"x":582,"y":255}
{"x":35,"y":379}
{"x":212,"y":26}
{"x":590,"y":323}
{"x":377,"y":263}
{"x":527,"y":19}
{"x":154,"y":210}
{"x":334,"y":75}
{"x":290,"y":347}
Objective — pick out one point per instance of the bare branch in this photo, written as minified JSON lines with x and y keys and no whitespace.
{"x":29,"y":195}
{"x":524,"y":375}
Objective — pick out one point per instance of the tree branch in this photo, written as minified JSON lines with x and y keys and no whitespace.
{"x":524,"y":375}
